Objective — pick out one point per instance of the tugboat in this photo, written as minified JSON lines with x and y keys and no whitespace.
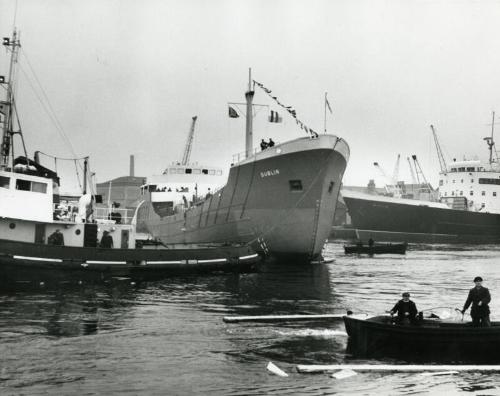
{"x":39,"y":231}
{"x":467,"y":209}
{"x":281,"y":199}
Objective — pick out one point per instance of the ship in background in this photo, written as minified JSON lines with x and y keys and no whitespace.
{"x":280,"y":200}
{"x":465,"y":210}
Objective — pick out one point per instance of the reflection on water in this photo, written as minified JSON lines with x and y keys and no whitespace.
{"x":167,"y":337}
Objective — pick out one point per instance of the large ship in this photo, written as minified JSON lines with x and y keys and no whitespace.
{"x":281,"y":199}
{"x":467,"y":209}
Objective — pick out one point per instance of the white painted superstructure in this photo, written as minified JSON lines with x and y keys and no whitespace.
{"x":474,"y":183}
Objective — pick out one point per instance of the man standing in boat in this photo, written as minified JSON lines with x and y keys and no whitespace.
{"x":406,"y":310}
{"x":479,"y":297}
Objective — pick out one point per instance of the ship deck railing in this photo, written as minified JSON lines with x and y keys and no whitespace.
{"x":69,"y":213}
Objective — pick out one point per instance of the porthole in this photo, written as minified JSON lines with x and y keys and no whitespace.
{"x":78,"y":232}
{"x":12,"y":226}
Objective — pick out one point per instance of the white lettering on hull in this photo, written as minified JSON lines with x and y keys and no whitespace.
{"x":270,"y":172}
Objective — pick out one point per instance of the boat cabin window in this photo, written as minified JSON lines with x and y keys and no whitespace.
{"x":152,"y":187}
{"x":219,"y":172}
{"x":461,"y":169}
{"x":453,"y":169}
{"x":471,"y":193}
{"x":189,"y":170}
{"x":180,"y":170}
{"x":494,"y":193}
{"x":26,"y":185}
{"x":4,"y":182}
{"x":483,"y":192}
{"x":471,"y":169}
{"x":440,"y":182}
{"x":39,"y":187}
{"x":23,"y":185}
{"x":483,"y":180}
{"x":173,"y":170}
{"x":196,"y":171}
{"x":211,"y":172}
{"x":204,"y":171}
{"x":295,"y":185}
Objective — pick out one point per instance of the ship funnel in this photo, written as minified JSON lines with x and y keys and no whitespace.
{"x":132,"y":166}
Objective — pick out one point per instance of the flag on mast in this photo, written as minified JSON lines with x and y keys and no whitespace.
{"x":328,"y":104}
{"x":232,"y":112}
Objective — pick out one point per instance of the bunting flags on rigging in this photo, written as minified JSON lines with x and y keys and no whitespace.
{"x":289,"y":109}
{"x":232,"y":112}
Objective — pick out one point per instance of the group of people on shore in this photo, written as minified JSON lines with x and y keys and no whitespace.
{"x":479,"y":297}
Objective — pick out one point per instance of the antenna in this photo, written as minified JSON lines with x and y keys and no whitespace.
{"x":442,"y":162}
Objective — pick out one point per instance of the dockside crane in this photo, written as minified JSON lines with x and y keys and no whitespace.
{"x":442,"y":162}
{"x":413,"y":179}
{"x":418,"y":171}
{"x":189,"y":143}
{"x":395,"y":173}
{"x":392,"y":184}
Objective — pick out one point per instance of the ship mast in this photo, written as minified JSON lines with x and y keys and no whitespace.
{"x":489,"y":140}
{"x":249,"y":125}
{"x":7,"y":129}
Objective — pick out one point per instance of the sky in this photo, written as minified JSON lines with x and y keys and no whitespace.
{"x":125,"y":77}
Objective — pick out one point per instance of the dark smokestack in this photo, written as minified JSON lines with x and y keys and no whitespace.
{"x":132,"y":165}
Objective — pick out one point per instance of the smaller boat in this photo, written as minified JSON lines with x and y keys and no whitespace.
{"x":445,"y":338}
{"x":379,"y":248}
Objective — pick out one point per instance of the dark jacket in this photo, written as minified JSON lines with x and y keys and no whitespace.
{"x":475,"y":296}
{"x":107,"y":241}
{"x":402,"y":307}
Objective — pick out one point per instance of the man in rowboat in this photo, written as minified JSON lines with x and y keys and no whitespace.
{"x":406,"y":310}
{"x":479,"y":297}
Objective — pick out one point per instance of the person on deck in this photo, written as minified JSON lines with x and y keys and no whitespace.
{"x":406,"y":310}
{"x":271,"y":143}
{"x":371,"y":242}
{"x":263,"y":144}
{"x":106,"y":240}
{"x":479,"y":297}
{"x":56,"y":238}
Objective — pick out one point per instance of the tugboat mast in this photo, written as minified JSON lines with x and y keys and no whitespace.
{"x":249,"y":125}
{"x":7,"y":130}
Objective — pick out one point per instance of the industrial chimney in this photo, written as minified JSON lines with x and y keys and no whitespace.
{"x":132,"y":166}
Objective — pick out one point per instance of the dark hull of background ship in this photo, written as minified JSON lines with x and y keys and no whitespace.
{"x":390,"y":221}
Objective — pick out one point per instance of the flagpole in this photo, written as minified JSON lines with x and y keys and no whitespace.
{"x":325,"y":112}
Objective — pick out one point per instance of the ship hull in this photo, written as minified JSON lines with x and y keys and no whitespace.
{"x":282,"y":202}
{"x":391,"y":220}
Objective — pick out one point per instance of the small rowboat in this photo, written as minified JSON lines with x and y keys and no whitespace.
{"x":380,"y":334}
{"x":389,"y":248}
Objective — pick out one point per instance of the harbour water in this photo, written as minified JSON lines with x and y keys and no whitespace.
{"x":168,"y":337}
